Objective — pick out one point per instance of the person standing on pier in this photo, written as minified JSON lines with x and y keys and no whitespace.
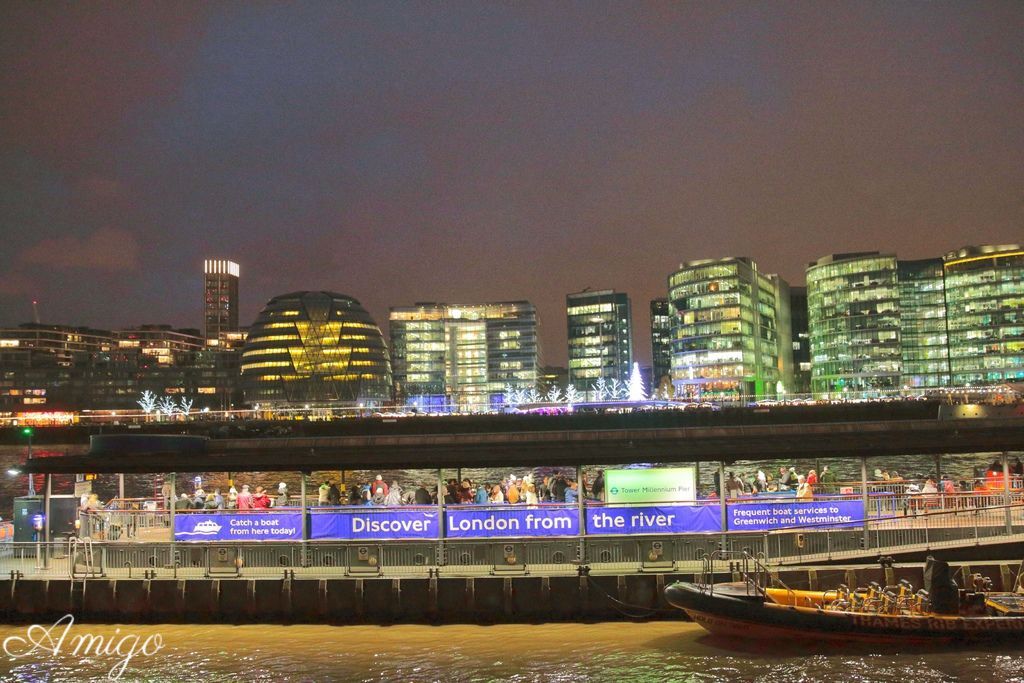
{"x":245,"y":498}
{"x":804,"y":491}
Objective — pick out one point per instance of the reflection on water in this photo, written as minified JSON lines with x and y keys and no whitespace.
{"x":662,"y":651}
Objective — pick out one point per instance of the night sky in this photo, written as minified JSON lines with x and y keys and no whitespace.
{"x":475,"y":151}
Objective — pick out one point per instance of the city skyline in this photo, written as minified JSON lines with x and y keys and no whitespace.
{"x":488,"y":153}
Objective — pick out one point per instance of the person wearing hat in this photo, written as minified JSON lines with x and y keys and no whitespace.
{"x":282,"y":495}
{"x":379,"y":483}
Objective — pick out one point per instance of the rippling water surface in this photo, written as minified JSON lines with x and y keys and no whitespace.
{"x":661,"y":651}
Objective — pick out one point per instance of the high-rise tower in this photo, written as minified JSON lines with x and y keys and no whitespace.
{"x":220,"y":300}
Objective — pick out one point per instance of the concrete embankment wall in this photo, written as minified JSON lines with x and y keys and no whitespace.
{"x":483,"y":599}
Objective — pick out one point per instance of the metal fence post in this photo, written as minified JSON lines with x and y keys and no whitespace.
{"x":304,"y":509}
{"x":172,"y":504}
{"x":47,"y":490}
{"x":723,"y":505}
{"x":439,"y":559}
{"x":864,"y":498}
{"x":581,"y":511}
{"x":1006,"y":492}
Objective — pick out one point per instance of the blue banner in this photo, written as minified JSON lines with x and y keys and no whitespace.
{"x":653,"y":519}
{"x":771,"y":516}
{"x":467,"y":522}
{"x":238,"y":526}
{"x":374,"y":524}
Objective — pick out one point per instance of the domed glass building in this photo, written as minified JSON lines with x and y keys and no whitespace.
{"x":315,"y":348}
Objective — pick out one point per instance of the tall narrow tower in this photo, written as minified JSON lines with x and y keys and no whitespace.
{"x":221,"y":297}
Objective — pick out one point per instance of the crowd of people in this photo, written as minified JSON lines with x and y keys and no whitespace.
{"x":560,"y":488}
{"x":804,"y":485}
{"x":807,"y":485}
{"x":511,"y":490}
{"x":246,"y":499}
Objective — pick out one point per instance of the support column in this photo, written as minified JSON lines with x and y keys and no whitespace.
{"x":938,"y":481}
{"x":304,"y":506}
{"x":581,"y":510}
{"x":723,"y":504}
{"x":1006,"y":492}
{"x":173,"y":503}
{"x":439,"y":555}
{"x":48,"y":478}
{"x":864,"y":497}
{"x":120,"y":487}
{"x":696,"y":480}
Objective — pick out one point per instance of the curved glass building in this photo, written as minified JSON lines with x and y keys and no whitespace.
{"x":315,"y":348}
{"x":853,"y":304}
{"x":985,"y":313}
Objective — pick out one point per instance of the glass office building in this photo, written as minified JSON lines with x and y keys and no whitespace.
{"x":52,"y":368}
{"x":801,"y":337}
{"x":661,"y":341}
{"x":881,"y":325}
{"x":985,"y":311}
{"x":731,"y":336}
{"x":925,"y":355}
{"x":600,"y":334}
{"x":853,"y":303}
{"x":462,"y":357}
{"x":320,"y":349}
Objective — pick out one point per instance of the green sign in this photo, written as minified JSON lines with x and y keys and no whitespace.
{"x":656,"y":485}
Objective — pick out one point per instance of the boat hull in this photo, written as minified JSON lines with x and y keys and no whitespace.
{"x":754,"y":619}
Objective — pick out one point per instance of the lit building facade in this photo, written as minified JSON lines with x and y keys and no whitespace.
{"x":853,"y":303}
{"x":731,"y":337}
{"x":661,"y":341}
{"x":985,"y":311}
{"x":923,"y":338}
{"x":320,"y":349}
{"x":220,"y":301}
{"x":801,"y":338}
{"x":49,"y":368}
{"x":462,"y":357}
{"x":600,"y":334}
{"x":881,"y":325}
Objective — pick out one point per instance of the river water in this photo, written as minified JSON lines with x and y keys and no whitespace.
{"x":644,"y":652}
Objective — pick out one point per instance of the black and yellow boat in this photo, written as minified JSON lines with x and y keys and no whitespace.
{"x":941,"y":612}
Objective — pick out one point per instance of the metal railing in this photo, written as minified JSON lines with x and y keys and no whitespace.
{"x":958,"y":527}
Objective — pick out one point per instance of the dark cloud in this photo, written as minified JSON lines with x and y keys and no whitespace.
{"x":106,"y":249}
{"x":403,"y":152}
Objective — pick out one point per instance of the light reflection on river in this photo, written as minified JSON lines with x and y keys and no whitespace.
{"x":659,"y":651}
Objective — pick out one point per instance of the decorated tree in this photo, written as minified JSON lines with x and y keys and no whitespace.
{"x":616,"y":389}
{"x":554,"y":395}
{"x":601,"y":389}
{"x":572,"y":395}
{"x":635,"y":385}
{"x":147,"y":402}
{"x":185,"y":406}
{"x":167,"y":406}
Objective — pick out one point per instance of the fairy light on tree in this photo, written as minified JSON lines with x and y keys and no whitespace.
{"x":147,"y":402}
{"x":635,"y":385}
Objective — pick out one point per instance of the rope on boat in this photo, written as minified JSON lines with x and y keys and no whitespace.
{"x":646,"y":611}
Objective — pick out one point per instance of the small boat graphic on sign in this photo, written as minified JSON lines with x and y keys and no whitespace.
{"x":207,"y":527}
